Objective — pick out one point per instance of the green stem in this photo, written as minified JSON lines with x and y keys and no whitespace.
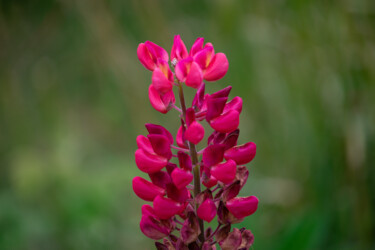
{"x":194,"y":159}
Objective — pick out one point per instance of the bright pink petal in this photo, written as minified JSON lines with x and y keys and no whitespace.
{"x":195,"y":76}
{"x":158,"y":102}
{"x":181,"y":178}
{"x":235,"y":103}
{"x":209,"y":182}
{"x":165,"y":208}
{"x":194,"y":133}
{"x":204,"y":57}
{"x":182,"y":68}
{"x":199,"y":97}
{"x":145,"y":189}
{"x":144,"y":143}
{"x":161,"y":82}
{"x":197,"y":46}
{"x":179,"y":50}
{"x":241,"y":207}
{"x":227,"y":122}
{"x":149,"y":163}
{"x":180,"y":138}
{"x":217,"y":68}
{"x":156,"y":51}
{"x":242,"y":154}
{"x":225,"y":172}
{"x":222,"y":93}
{"x":145,"y":57}
{"x":231,"y":139}
{"x":207,"y":210}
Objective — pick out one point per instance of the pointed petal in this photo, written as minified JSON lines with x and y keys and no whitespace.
{"x":157,"y":51}
{"x":207,"y":210}
{"x":197,"y":46}
{"x":161,"y":145}
{"x":180,"y":137}
{"x":190,"y":116}
{"x":194,"y":133}
{"x":242,"y":154}
{"x":165,"y":208}
{"x":145,"y":189}
{"x":179,"y":50}
{"x":231,"y":139}
{"x":227,"y":122}
{"x":215,"y":107}
{"x":222,"y":93}
{"x":145,"y":57}
{"x":225,"y":172}
{"x":181,"y":178}
{"x":213,"y":155}
{"x":242,"y":207}
{"x":217,"y":68}
{"x":199,"y":97}
{"x":149,"y":163}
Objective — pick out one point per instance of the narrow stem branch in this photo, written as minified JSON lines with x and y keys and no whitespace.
{"x":180,"y":149}
{"x":194,"y":159}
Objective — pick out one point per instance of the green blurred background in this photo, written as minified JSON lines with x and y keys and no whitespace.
{"x":73,"y":98}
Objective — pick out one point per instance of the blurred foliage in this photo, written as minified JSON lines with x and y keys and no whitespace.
{"x":73,"y":97}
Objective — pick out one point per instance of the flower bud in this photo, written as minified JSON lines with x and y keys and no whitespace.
{"x":148,"y":54}
{"x":179,"y":50}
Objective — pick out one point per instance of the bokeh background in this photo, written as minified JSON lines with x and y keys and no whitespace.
{"x":73,"y":98}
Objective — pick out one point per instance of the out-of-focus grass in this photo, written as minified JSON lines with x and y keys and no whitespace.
{"x":73,"y":97}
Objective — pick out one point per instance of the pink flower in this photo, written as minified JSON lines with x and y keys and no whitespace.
{"x":149,"y":53}
{"x":145,"y":189}
{"x":165,"y":208}
{"x":188,"y":71}
{"x":162,"y":103}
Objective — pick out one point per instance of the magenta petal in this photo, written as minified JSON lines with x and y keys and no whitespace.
{"x":227,"y":122}
{"x":222,"y":93}
{"x":160,"y":178}
{"x":209,"y":182}
{"x":165,"y":208}
{"x":231,"y":139}
{"x":160,"y":102}
{"x":145,"y":189}
{"x":176,"y":194}
{"x":149,"y":163}
{"x":158,"y":129}
{"x":161,"y":145}
{"x":215,"y":107}
{"x":197,"y":46}
{"x":184,"y":161}
{"x":213,"y":155}
{"x":217,"y":68}
{"x":225,"y":172}
{"x":207,"y":210}
{"x":242,"y":154}
{"x":181,"y":178}
{"x":156,"y":51}
{"x":195,"y":76}
{"x":181,"y":69}
{"x":194,"y":133}
{"x":151,"y":226}
{"x":160,"y":82}
{"x":190,"y":116}
{"x":144,"y":143}
{"x":235,"y":103}
{"x":204,"y":57}
{"x":145,"y":57}
{"x":241,"y":207}
{"x":199,"y":97}
{"x":180,"y":137}
{"x":179,"y":50}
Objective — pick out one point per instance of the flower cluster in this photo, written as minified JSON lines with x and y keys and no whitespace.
{"x":178,"y":203}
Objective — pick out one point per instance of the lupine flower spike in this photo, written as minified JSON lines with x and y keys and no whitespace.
{"x":188,"y":188}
